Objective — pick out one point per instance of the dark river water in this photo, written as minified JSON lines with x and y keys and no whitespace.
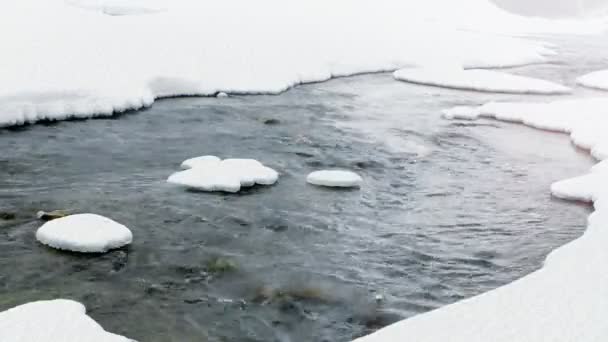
{"x":448,"y":210}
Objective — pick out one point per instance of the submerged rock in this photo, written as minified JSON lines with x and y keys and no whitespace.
{"x":221,"y":265}
{"x":271,"y":121}
{"x":5,"y":215}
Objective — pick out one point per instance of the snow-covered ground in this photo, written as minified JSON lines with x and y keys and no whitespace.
{"x":565,"y":300}
{"x":84,"y":58}
{"x":479,"y":80}
{"x":597,"y":80}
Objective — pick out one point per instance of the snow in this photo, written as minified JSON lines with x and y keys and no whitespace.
{"x":209,"y":173}
{"x":200,"y":161}
{"x":112,"y":63}
{"x":57,"y":320}
{"x":118,"y":7}
{"x":478,"y":80}
{"x":87,"y":233}
{"x":596,"y":80}
{"x":335,"y":178}
{"x":567,"y":299}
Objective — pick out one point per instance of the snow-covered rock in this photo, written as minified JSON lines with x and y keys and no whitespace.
{"x":335,"y":178}
{"x":198,"y":47}
{"x":201,"y":161}
{"x":479,"y":80}
{"x":596,"y":80}
{"x":567,"y":299}
{"x":209,"y":173}
{"x":58,"y":320}
{"x":89,"y":233}
{"x":221,"y":94}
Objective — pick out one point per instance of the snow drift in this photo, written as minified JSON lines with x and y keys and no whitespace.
{"x":596,"y":80}
{"x":71,"y":59}
{"x":565,"y":300}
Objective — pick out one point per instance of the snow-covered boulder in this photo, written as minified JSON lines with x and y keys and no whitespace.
{"x":209,"y":173}
{"x":479,"y":80}
{"x":200,"y":161}
{"x":57,"y":320}
{"x":596,"y":80}
{"x":88,"y":233}
{"x":335,"y":178}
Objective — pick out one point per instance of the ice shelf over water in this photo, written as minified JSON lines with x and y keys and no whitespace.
{"x":70,"y":59}
{"x":57,"y":320}
{"x":479,"y":80}
{"x":567,"y":299}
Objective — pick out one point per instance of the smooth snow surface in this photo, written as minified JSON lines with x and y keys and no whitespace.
{"x":118,"y":7}
{"x":200,"y":161}
{"x":77,"y":61}
{"x":597,"y":80}
{"x":335,"y":178}
{"x":84,"y":233}
{"x":57,"y":320}
{"x":567,"y":299}
{"x":479,"y":80}
{"x":209,"y":173}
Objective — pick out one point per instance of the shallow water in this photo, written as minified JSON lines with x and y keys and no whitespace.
{"x":448,"y":210}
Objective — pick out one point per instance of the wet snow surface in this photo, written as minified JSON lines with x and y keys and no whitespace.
{"x":432,"y":224}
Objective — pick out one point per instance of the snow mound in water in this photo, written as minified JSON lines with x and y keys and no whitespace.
{"x":479,"y":80}
{"x":127,"y":62}
{"x":119,"y":7}
{"x":209,"y":173}
{"x":58,"y":320}
{"x":567,"y":299}
{"x":596,"y":80}
{"x":335,"y":178}
{"x":84,"y":233}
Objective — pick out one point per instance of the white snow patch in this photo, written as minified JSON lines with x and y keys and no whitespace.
{"x":221,"y":94}
{"x":200,"y":161}
{"x":479,"y":80}
{"x":567,"y":299}
{"x":89,"y":233}
{"x":596,"y":80}
{"x":335,"y":178}
{"x":119,"y":7}
{"x":209,"y":173}
{"x":81,"y":63}
{"x":58,"y":320}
